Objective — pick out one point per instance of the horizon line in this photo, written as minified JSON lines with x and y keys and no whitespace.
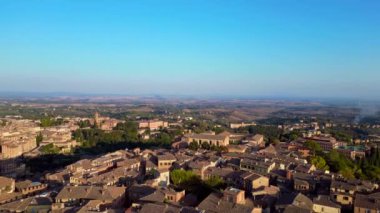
{"x":60,"y":94}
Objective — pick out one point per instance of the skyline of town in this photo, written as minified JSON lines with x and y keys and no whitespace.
{"x":322,"y":49}
{"x":143,"y":156}
{"x":190,"y":106}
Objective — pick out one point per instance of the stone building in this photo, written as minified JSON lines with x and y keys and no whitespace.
{"x":152,"y":124}
{"x":210,"y":138}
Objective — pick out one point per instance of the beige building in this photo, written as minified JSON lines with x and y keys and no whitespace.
{"x":323,"y":204}
{"x":342,"y":192}
{"x":104,"y":123}
{"x":237,"y":148}
{"x":231,"y":200}
{"x":174,"y":196}
{"x":326,"y":143}
{"x":60,"y":137}
{"x":367,"y":203}
{"x":234,"y":196}
{"x":210,"y":138}
{"x":255,"y":141}
{"x":199,"y":167}
{"x":7,"y":185}
{"x":258,"y":181}
{"x":152,"y":124}
{"x":17,"y":137}
{"x":241,"y":125}
{"x":15,"y":148}
{"x":28,"y":187}
{"x":257,"y":166}
{"x":162,"y":178}
{"x":111,"y":196}
{"x":252,"y":182}
{"x":165,"y":161}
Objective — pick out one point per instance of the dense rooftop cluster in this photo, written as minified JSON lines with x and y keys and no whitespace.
{"x":227,"y":170}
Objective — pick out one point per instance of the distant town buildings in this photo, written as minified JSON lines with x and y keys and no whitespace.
{"x":241,"y":125}
{"x":255,"y":141}
{"x":104,"y":123}
{"x":327,"y":143}
{"x":255,"y":174}
{"x":17,"y":138}
{"x":59,"y":136}
{"x":152,"y":124}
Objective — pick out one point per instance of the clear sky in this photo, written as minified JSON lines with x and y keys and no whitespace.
{"x":292,"y":48}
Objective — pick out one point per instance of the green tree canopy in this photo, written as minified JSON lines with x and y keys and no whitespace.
{"x":313,"y":146}
{"x":194,"y":146}
{"x":39,"y":139}
{"x":205,"y":145}
{"x":50,"y":149}
{"x":319,"y":162}
{"x":180,"y":177}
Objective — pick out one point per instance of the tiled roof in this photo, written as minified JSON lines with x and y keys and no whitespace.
{"x":367,"y":201}
{"x":91,"y":192}
{"x":214,"y":203}
{"x":325,"y":201}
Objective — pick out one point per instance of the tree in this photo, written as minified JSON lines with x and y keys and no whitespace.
{"x":192,"y":183}
{"x":319,"y":162}
{"x":339,"y":163}
{"x":347,"y":173}
{"x":47,"y":121}
{"x":274,"y":141}
{"x":215,"y":182}
{"x":84,"y":124}
{"x":214,"y":147}
{"x":194,"y":146}
{"x":130,"y":130}
{"x":39,"y":139}
{"x":181,"y":177}
{"x":218,"y":130}
{"x":206,"y":145}
{"x":268,"y":131}
{"x":223,"y":149}
{"x":291,"y":136}
{"x":164,"y":139}
{"x":294,"y":135}
{"x":314,"y":147}
{"x":49,"y":149}
{"x":369,"y":168}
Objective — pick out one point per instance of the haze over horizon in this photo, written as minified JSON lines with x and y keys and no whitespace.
{"x":225,"y":48}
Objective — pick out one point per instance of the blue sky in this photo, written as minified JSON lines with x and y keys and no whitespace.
{"x":289,"y":48}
